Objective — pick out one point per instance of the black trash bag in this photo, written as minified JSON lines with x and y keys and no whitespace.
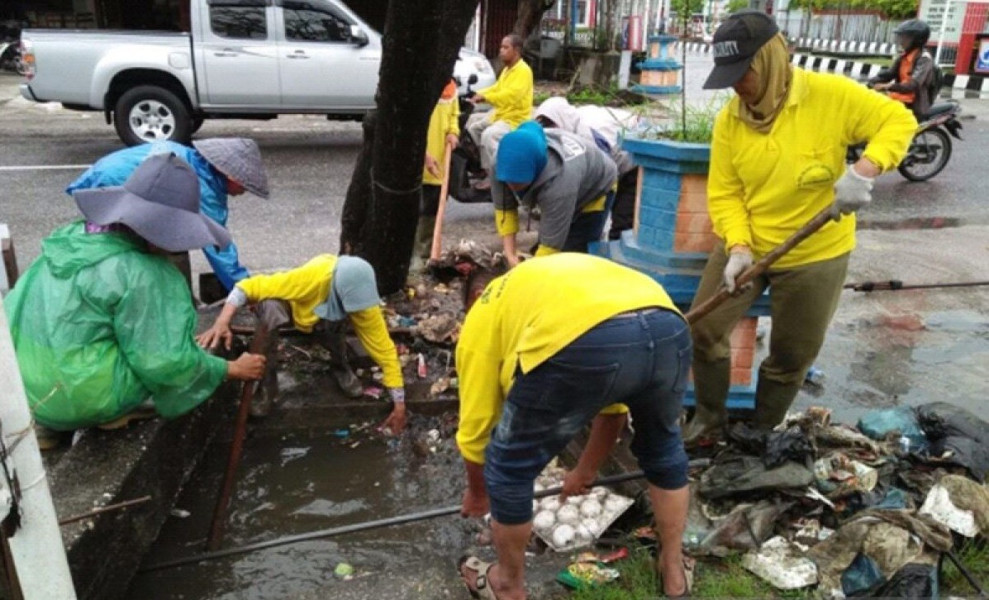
{"x":954,"y":430}
{"x":791,"y":444}
{"x":913,"y":581}
{"x":775,"y":447}
{"x":748,"y":439}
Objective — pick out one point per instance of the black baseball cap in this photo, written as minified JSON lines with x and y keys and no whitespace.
{"x":735,"y":44}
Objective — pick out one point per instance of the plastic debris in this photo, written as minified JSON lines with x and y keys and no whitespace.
{"x":180,"y":513}
{"x":957,"y":437}
{"x":781,"y":564}
{"x":344,"y":571}
{"x":569,"y":524}
{"x":373,"y":391}
{"x":814,"y":376}
{"x":421,"y":369}
{"x":861,"y":575}
{"x":341,"y":433}
{"x":440,"y":328}
{"x":939,"y":506}
{"x":913,"y":582}
{"x":879,"y":424}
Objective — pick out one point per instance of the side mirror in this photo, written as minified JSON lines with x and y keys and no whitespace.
{"x":357,"y":36}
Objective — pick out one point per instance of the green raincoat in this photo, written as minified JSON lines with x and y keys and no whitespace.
{"x":99,"y":325}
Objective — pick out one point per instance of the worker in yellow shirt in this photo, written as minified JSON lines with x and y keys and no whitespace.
{"x":318,"y":297}
{"x":777,"y":159}
{"x":443,"y":131}
{"x":511,"y":100}
{"x":534,"y":370}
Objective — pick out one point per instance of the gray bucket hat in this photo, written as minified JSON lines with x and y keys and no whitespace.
{"x":160,"y":202}
{"x":237,"y":158}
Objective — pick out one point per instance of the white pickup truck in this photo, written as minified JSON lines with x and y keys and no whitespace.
{"x":251,"y":59}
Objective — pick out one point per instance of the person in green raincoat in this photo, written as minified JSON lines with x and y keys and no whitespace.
{"x":102,"y":321}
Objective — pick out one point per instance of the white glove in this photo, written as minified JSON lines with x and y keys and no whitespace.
{"x":852,"y":192}
{"x":397,"y":395}
{"x":738,"y":262}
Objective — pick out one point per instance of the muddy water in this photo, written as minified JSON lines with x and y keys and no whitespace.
{"x":295,"y":483}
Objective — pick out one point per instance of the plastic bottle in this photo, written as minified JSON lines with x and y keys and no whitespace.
{"x":814,"y":376}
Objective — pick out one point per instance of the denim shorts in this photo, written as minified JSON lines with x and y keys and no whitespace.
{"x":640,"y":359}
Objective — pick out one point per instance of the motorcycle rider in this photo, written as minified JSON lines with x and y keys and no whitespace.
{"x":909,"y":78}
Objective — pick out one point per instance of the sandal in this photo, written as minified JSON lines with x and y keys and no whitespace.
{"x":481,"y":589}
{"x":688,"y":579}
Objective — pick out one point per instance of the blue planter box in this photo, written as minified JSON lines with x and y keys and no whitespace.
{"x":673,"y":190}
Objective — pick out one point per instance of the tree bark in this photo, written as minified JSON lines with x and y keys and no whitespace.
{"x":421,"y":42}
{"x":530,"y":12}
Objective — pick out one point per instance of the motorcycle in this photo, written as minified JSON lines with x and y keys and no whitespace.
{"x":10,"y":46}
{"x":930,"y":148}
{"x":465,"y":162}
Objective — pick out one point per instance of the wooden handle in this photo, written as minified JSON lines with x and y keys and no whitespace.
{"x":257,"y":346}
{"x":434,"y":252}
{"x":704,"y":308}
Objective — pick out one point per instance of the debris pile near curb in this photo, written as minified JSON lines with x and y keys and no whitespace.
{"x":867,"y":510}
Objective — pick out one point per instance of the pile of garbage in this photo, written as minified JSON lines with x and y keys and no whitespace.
{"x":864,"y":511}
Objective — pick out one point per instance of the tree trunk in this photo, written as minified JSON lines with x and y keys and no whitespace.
{"x":530,"y":13}
{"x":420,"y":46}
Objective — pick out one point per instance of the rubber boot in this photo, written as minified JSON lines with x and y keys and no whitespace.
{"x":423,"y":244}
{"x":711,"y":383}
{"x":333,"y":340}
{"x":772,"y":400}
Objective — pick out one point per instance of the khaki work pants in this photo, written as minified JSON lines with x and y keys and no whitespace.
{"x":802,"y":302}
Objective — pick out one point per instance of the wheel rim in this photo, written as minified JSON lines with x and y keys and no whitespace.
{"x":928,"y":155}
{"x":152,"y":120}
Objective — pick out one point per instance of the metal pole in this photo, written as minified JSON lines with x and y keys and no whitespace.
{"x":940,"y":37}
{"x":333,"y":531}
{"x":895,"y":284}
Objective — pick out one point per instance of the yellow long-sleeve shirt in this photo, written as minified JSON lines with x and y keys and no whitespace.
{"x":511,"y":95}
{"x":525,"y":317}
{"x":443,"y":122}
{"x":308,"y":286}
{"x":761,"y":188}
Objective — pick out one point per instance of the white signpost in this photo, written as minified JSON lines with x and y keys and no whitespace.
{"x":946,"y":17}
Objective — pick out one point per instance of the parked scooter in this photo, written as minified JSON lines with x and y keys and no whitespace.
{"x":465,"y":162}
{"x":930,"y":148}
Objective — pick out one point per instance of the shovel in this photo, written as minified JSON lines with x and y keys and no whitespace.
{"x":704,"y":308}
{"x":434,"y":253}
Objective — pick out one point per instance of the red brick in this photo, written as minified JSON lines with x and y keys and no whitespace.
{"x":742,"y":357}
{"x":693,"y":222}
{"x":694,"y":242}
{"x":741,"y":376}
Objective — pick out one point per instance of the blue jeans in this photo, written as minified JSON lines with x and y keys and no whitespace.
{"x":588,"y":227}
{"x":640,"y":359}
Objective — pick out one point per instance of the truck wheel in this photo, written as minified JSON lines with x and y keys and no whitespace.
{"x":148,"y":113}
{"x":197,"y":122}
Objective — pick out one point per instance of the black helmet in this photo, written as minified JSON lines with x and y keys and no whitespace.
{"x":917,"y":30}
